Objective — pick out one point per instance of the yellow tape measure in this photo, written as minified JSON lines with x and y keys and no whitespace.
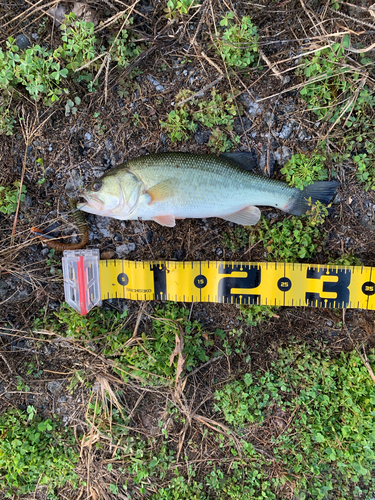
{"x":264,"y":283}
{"x":88,"y":280}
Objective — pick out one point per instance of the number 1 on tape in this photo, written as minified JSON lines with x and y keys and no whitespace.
{"x":89,"y":280}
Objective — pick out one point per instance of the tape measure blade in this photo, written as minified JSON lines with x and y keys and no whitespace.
{"x":263,"y":283}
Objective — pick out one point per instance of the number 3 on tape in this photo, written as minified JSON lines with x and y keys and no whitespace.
{"x":89,"y":280}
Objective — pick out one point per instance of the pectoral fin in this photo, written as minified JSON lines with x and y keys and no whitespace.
{"x":248,"y":216}
{"x":165,"y":220}
{"x":161,"y":191}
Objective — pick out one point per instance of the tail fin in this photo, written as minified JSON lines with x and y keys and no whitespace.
{"x":322,"y":191}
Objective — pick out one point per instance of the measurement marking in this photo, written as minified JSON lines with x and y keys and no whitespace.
{"x":368,"y":297}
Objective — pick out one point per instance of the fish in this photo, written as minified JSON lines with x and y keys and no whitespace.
{"x":163,"y":187}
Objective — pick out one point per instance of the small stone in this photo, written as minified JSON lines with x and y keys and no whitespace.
{"x":155,"y":83}
{"x":179,"y":254}
{"x":337,"y":199}
{"x":50,"y":148}
{"x":27,"y":201}
{"x":102,"y":224}
{"x":22,"y":42}
{"x":125,"y":249}
{"x":303,"y":136}
{"x":163,"y":138}
{"x":282,"y":155}
{"x":241,"y":127}
{"x":45,"y":252}
{"x":4,"y":290}
{"x":108,"y":144}
{"x":88,"y":136}
{"x":35,"y":36}
{"x":21,"y":295}
{"x":269,"y":118}
{"x":286,"y":131}
{"x":54,"y":387}
{"x":253,"y":108}
{"x":202,"y":137}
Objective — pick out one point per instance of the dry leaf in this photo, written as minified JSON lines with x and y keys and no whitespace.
{"x":178,"y":351}
{"x":80,"y":9}
{"x":83,"y":11}
{"x":107,"y":255}
{"x":58,"y":13}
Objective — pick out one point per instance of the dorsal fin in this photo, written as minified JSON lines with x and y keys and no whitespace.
{"x":245,"y":159}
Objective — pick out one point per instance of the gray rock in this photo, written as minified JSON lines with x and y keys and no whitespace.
{"x":253,"y":108}
{"x":88,"y":136}
{"x":269,"y":118}
{"x":303,"y":136}
{"x":289,"y":108}
{"x":337,"y":199}
{"x":27,"y":201}
{"x":125,"y":249}
{"x":155,"y":83}
{"x":286,"y":131}
{"x":22,"y":42}
{"x":54,"y":386}
{"x":20,"y":295}
{"x":282,"y":155}
{"x":102,"y":224}
{"x":4,"y":290}
{"x":202,"y":137}
{"x":241,"y":127}
{"x":108,"y":144}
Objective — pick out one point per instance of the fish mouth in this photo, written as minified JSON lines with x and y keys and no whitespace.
{"x":92,"y":204}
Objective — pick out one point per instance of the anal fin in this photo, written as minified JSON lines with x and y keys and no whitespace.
{"x":247,"y":216}
{"x":165,"y":220}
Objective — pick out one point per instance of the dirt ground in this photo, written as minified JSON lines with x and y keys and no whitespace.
{"x":75,"y":150}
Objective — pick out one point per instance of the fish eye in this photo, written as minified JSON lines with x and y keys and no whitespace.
{"x":96,"y":186}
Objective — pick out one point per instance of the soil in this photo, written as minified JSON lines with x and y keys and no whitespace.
{"x":75,"y":151}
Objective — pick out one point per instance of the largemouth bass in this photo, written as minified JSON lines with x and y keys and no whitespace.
{"x":163,"y":187}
